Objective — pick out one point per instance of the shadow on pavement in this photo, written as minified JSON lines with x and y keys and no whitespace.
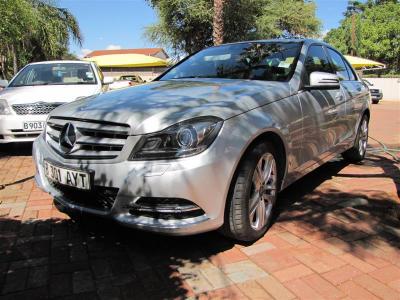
{"x":98,"y":259}
{"x":16,"y":149}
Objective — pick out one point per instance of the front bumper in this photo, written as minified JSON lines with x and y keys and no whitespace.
{"x":202,"y":179}
{"x":11,"y":128}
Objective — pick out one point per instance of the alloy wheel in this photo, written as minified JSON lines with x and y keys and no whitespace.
{"x":363,"y":139}
{"x":263,"y":191}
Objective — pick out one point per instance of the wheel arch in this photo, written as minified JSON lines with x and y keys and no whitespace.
{"x":271,"y":135}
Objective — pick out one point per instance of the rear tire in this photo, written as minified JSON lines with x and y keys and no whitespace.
{"x":253,"y":192}
{"x":357,"y":153}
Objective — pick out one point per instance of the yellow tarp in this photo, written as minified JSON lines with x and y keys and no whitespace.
{"x":127,"y":60}
{"x":363,"y":63}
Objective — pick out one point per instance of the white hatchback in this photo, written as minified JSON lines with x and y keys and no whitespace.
{"x":39,"y":88}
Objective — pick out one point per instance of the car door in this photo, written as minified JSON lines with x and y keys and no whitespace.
{"x":360,"y":96}
{"x":321,"y":109}
{"x":352,"y":90}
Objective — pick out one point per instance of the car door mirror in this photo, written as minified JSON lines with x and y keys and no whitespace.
{"x":3,"y":83}
{"x":108,"y":80}
{"x":323,"y":81}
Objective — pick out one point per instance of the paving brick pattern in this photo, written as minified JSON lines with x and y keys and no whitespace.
{"x":336,"y":236}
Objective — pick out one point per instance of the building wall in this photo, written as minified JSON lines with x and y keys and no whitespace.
{"x":146,"y":74}
{"x":390,"y":87}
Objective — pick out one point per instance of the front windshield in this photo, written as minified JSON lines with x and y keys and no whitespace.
{"x":272,"y":61}
{"x":55,"y":74}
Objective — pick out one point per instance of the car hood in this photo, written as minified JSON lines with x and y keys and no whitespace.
{"x":154,"y":106}
{"x":47,"y":93}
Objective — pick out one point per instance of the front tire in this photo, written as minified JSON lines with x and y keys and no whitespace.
{"x":375,"y":101}
{"x":252,"y":199}
{"x":357,"y":153}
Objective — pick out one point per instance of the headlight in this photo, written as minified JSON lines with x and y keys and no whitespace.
{"x":4,"y":107}
{"x":184,"y":139}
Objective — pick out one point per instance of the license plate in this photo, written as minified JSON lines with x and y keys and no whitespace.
{"x":65,"y":176}
{"x":33,"y":126}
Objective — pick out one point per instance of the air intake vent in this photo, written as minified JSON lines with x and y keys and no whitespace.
{"x":100,"y":198}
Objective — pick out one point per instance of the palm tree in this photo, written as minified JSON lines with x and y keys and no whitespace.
{"x":55,"y":27}
{"x":33,"y":30}
{"x":218,"y":22}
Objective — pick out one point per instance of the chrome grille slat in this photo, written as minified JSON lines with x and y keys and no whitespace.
{"x":101,"y":141}
{"x":93,"y":140}
{"x":95,"y":127}
{"x":38,"y":108}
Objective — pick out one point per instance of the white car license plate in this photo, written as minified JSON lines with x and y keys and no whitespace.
{"x":74,"y":178}
{"x":33,"y":126}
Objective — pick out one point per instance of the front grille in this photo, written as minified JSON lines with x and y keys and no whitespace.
{"x":94,"y":139}
{"x":374,"y":91}
{"x":99,"y":198}
{"x":38,"y":108}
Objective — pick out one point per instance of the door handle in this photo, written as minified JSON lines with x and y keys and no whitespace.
{"x":339,"y":97}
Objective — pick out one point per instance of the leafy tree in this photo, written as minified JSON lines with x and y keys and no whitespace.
{"x":187,"y":25}
{"x":33,"y":30}
{"x":377,"y":32}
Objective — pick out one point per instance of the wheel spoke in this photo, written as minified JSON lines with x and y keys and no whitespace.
{"x":258,"y":176}
{"x":261,"y":214}
{"x":268,"y":168}
{"x":254,"y":201}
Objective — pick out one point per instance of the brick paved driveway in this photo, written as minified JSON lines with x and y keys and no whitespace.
{"x":336,"y":236}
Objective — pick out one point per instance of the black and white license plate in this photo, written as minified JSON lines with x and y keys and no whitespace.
{"x":33,"y":126}
{"x":78,"y":179}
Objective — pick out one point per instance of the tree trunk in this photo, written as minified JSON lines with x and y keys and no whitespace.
{"x":218,"y":22}
{"x":14,"y":58}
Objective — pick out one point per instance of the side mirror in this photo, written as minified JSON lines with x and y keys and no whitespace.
{"x":108,"y":80}
{"x":3,"y":83}
{"x":323,"y":81}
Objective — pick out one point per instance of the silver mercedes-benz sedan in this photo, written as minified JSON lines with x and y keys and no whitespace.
{"x":209,"y":143}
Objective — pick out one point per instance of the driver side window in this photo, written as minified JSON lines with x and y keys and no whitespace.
{"x":316,"y":61}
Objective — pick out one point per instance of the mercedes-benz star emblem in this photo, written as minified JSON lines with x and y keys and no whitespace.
{"x":67,"y":138}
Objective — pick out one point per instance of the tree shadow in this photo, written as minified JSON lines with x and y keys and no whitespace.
{"x":99,"y":259}
{"x":63,"y":258}
{"x":353,"y":221}
{"x":16,"y":149}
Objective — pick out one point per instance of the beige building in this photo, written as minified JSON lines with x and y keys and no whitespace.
{"x":115,"y":63}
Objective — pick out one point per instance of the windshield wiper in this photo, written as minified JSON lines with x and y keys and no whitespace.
{"x":35,"y":84}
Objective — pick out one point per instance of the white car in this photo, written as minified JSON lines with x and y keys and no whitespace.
{"x":39,"y":88}
{"x":125,"y":81}
{"x":376,"y":93}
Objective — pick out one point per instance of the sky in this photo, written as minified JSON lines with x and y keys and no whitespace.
{"x":116,"y":24}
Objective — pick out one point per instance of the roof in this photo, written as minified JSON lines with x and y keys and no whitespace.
{"x":144,"y":51}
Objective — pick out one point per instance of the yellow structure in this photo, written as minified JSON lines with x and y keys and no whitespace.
{"x":127,"y":61}
{"x":359,"y":63}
